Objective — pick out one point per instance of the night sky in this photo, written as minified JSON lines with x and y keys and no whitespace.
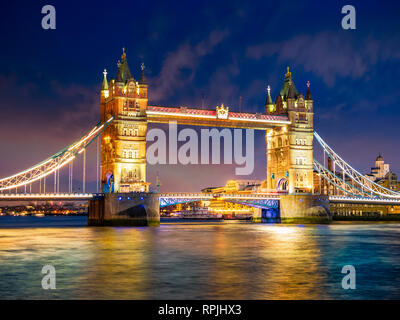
{"x":50,"y":79}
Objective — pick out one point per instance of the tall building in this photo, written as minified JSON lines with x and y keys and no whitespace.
{"x":123,"y":151}
{"x":290,"y":148}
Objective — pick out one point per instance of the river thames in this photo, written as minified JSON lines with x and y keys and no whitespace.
{"x":193,"y":260}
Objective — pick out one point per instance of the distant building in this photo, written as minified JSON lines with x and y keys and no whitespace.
{"x":382,"y":175}
{"x":233,"y":186}
{"x":380,"y":170}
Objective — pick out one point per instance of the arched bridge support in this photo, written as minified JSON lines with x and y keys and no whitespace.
{"x":125,"y":209}
{"x":305,"y":208}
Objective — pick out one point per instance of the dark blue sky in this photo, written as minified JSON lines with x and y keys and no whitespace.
{"x":50,"y":79}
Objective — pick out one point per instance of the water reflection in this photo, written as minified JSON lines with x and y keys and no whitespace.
{"x":201,"y":261}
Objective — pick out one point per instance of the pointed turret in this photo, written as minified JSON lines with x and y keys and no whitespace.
{"x":123,"y":73}
{"x":269,"y":105}
{"x":309,"y":100}
{"x":308,"y":94}
{"x":105,"y":83}
{"x":104,"y":87}
{"x":142,"y":75}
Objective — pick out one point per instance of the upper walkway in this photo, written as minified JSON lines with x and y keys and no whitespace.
{"x":214,"y":118}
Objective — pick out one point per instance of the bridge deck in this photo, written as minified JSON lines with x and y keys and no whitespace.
{"x":47,"y":196}
{"x":187,"y":196}
{"x":209,"y":118}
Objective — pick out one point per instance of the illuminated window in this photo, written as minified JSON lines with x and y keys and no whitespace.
{"x":301,"y":161}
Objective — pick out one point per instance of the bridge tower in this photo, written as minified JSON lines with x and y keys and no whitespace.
{"x":123,"y":143}
{"x":290,"y":148}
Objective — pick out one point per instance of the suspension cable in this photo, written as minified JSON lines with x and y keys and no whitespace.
{"x":354,"y":175}
{"x":84,"y":170}
{"x":53,"y":163}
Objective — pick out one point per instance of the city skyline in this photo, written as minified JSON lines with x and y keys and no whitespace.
{"x":56,"y":87}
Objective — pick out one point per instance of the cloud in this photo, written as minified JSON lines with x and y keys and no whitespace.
{"x":34,"y":126}
{"x":221,"y":88}
{"x":80,"y":106}
{"x":179,"y":66}
{"x":329,"y":55}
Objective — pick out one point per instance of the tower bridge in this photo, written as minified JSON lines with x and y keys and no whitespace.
{"x":305,"y":185}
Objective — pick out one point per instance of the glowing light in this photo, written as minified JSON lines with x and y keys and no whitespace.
{"x":51,"y":164}
{"x":176,"y":114}
{"x":48,"y":196}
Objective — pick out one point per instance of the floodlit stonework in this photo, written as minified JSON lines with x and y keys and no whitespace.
{"x":123,"y":149}
{"x":290,"y":148}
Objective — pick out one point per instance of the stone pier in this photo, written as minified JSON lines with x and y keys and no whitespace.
{"x":257,"y":215}
{"x":125,"y":209}
{"x":305,"y":208}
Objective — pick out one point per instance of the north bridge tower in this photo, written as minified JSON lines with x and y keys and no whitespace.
{"x":290,"y":148}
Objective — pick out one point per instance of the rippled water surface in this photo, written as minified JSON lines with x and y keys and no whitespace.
{"x":192,"y":260}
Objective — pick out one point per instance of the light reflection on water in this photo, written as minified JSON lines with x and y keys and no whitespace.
{"x":214,"y":260}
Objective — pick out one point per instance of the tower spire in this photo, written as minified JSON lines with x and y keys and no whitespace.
{"x":287,"y":84}
{"x":291,"y":94}
{"x":142,"y":75}
{"x":123,"y":73}
{"x":308,"y":94}
{"x":288,"y":74}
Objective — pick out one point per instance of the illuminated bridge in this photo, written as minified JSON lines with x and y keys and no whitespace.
{"x":348,"y":184}
{"x":168,"y":199}
{"x":293,"y":171}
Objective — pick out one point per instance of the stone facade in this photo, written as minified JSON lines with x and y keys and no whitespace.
{"x":290,"y":148}
{"x":123,"y":147}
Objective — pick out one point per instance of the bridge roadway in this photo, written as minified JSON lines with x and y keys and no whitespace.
{"x":89,"y":196}
{"x":173,"y":198}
